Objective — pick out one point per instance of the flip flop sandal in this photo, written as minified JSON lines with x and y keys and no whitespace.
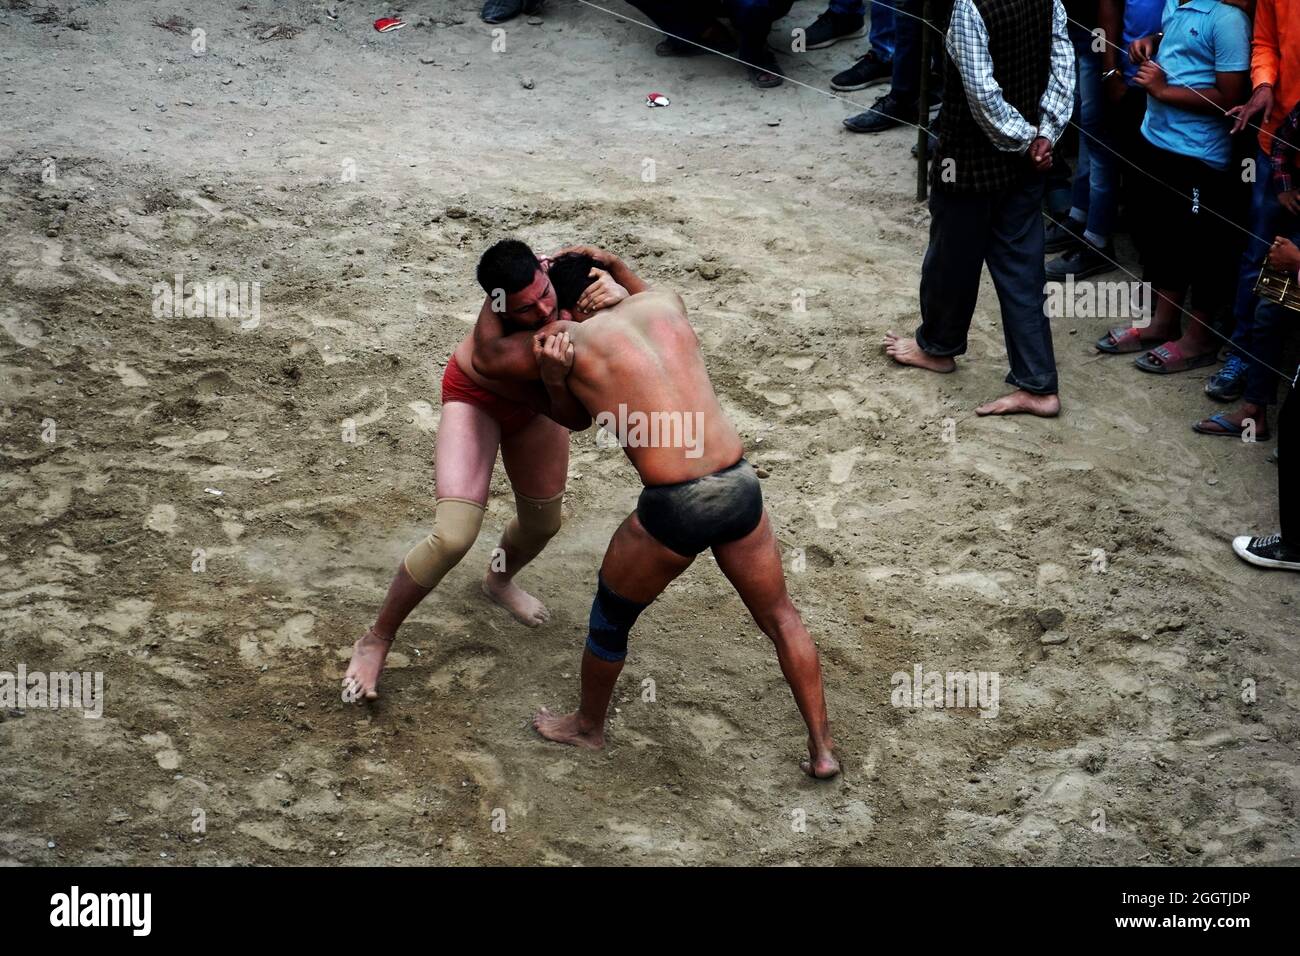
{"x":1121,"y":340}
{"x":1169,"y":359}
{"x":1226,"y":429}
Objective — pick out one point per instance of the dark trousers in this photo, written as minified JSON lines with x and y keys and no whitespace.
{"x":752,"y":20}
{"x":905,"y":80}
{"x":1124,"y":136}
{"x":685,"y":20}
{"x":1003,"y":230}
{"x":1288,"y":467}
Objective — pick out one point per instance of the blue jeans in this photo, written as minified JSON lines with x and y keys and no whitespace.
{"x":881,"y":35}
{"x":1256,"y":334}
{"x":1266,"y":219}
{"x":1262,"y":345}
{"x":1096,"y":177}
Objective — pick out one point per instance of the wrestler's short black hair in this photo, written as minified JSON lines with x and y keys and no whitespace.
{"x":508,"y":265}
{"x":570,"y":275}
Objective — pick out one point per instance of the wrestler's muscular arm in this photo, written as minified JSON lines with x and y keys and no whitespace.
{"x":554,"y":355}
{"x":502,"y":354}
{"x":618,"y":270}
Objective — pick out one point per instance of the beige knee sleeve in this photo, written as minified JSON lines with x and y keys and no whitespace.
{"x":455,"y":526}
{"x":535,"y":522}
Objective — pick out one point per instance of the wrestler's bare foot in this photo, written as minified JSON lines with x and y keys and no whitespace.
{"x":1021,"y":402}
{"x":905,"y":351}
{"x":525,"y":608}
{"x":820,"y":763}
{"x":368,"y":656}
{"x":569,"y":729}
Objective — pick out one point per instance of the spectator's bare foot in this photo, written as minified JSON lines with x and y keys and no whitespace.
{"x":820,"y":764}
{"x":525,"y":608}
{"x":1021,"y":402}
{"x":569,"y":729}
{"x":368,"y":656}
{"x":906,"y":352}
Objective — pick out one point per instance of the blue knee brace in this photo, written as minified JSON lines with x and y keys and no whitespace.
{"x":612,"y":616}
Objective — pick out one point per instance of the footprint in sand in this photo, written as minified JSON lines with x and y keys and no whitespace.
{"x":198,"y":438}
{"x":162,"y":519}
{"x":213,"y":385}
{"x":295,"y":633}
{"x":426,"y":416}
{"x":165,"y":753}
{"x":465,"y":667}
{"x":711,"y":728}
{"x":129,"y":376}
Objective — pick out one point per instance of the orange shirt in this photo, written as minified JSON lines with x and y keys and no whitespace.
{"x":1275,"y":58}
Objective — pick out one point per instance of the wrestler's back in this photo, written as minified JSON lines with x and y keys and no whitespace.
{"x":642,"y":359}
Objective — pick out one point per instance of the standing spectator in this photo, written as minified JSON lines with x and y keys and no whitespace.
{"x":752,"y":20}
{"x":902,"y":104}
{"x":1007,"y":97}
{"x":1262,"y":343}
{"x":692,"y":30}
{"x":1282,"y":551}
{"x":1275,"y":77}
{"x":1204,"y":53}
{"x":1084,"y":238}
{"x":1125,"y":102}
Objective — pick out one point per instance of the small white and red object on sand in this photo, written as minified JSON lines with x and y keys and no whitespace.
{"x":656,"y":99}
{"x":389,"y":24}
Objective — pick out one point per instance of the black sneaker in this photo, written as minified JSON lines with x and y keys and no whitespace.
{"x":868,"y":69}
{"x":1062,"y":235}
{"x":499,"y":11}
{"x":885,"y":113}
{"x":830,"y":28}
{"x":931,"y":148}
{"x":1082,"y":261}
{"x":1267,"y":552}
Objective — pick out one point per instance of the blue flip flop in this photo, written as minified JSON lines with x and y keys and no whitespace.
{"x":1229,"y":429}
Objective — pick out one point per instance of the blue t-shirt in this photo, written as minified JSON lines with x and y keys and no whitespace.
{"x":1141,"y":19}
{"x":1202,"y":37}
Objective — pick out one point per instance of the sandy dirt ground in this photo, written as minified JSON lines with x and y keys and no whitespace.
{"x":915,"y":533}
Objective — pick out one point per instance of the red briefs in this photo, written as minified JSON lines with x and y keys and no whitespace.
{"x":459,"y":387}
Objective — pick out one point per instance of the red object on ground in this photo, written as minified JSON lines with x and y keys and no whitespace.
{"x":656,"y":99}
{"x":388,"y":24}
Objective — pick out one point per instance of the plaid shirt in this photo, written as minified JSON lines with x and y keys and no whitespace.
{"x":1282,"y":155}
{"x":1006,"y":128}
